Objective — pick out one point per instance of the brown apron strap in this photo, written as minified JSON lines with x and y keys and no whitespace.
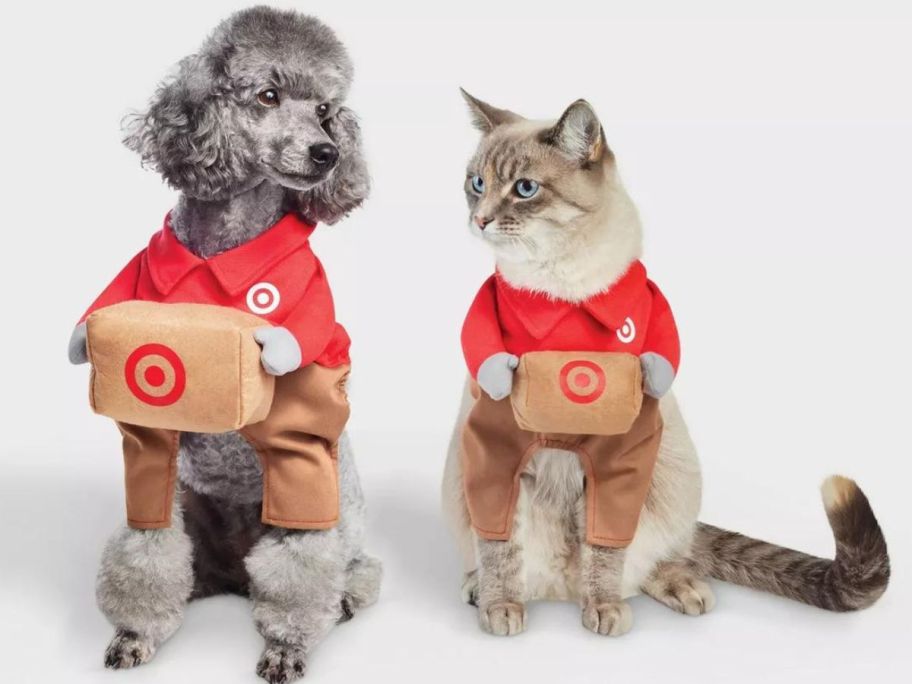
{"x":495,"y":451}
{"x":618,"y":476}
{"x":150,"y":472}
{"x":298,"y":443}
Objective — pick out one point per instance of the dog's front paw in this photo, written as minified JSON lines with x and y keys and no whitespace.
{"x":128,"y":649}
{"x":610,"y":619}
{"x":503,"y":618}
{"x":281,"y":663}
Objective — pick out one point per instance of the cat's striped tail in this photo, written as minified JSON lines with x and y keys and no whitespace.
{"x":855,"y":579}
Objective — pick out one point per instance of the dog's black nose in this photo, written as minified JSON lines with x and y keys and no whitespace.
{"x":324,"y":154}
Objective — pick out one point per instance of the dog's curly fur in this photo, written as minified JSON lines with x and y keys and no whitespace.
{"x":240,"y":165}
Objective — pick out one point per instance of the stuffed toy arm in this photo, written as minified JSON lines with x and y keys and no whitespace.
{"x":489,"y":362}
{"x":658,"y":374}
{"x":77,"y":351}
{"x":661,"y":350}
{"x":281,"y":352}
{"x":304,"y":333}
{"x":495,"y":375}
{"x":122,"y":288}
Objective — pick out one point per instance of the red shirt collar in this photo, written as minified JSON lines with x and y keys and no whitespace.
{"x":169,"y":261}
{"x":540,"y":314}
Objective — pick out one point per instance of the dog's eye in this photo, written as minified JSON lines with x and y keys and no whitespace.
{"x":322,"y":110}
{"x":269,"y":98}
{"x":478,"y":184}
{"x":526,"y":188}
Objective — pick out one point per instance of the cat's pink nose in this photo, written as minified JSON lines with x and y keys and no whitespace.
{"x":482,"y":221}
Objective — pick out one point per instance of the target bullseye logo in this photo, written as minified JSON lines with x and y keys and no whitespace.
{"x":263,"y":298}
{"x":627,"y":332}
{"x":155,"y":374}
{"x":582,"y":382}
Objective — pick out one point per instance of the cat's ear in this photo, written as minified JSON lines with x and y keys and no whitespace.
{"x":485,"y":117}
{"x":578,"y":134}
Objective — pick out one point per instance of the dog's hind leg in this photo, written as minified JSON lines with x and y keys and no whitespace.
{"x":297,"y":581}
{"x":362,"y":585}
{"x":143,"y":584}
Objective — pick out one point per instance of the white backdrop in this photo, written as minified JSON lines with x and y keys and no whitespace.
{"x":770,"y":150}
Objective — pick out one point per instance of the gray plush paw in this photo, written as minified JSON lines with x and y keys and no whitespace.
{"x":613,"y":618}
{"x":281,"y":352}
{"x":495,"y":375}
{"x":281,"y":663}
{"x":658,"y":374}
{"x":128,"y":649}
{"x":503,"y":618}
{"x":77,"y":351}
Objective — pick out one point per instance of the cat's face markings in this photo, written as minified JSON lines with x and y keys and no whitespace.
{"x":529,"y":182}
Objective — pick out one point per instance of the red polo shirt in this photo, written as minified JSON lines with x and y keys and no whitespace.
{"x":275,"y":276}
{"x":631,"y":316}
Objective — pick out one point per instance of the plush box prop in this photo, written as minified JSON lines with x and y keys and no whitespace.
{"x":188,"y":367}
{"x":577,"y":393}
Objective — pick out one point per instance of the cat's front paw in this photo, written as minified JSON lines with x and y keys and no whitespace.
{"x":128,"y":649}
{"x":281,"y":663}
{"x":503,"y":618}
{"x":470,"y":588}
{"x":612,"y":618}
{"x":687,"y":595}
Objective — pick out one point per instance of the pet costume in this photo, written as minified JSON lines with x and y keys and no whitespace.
{"x":276,"y":279}
{"x":631,"y":317}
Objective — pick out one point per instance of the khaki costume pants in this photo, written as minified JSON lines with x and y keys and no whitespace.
{"x":495,"y":451}
{"x":297,"y":445}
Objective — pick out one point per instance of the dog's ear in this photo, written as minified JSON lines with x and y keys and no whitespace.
{"x":349,"y":184}
{"x":184,"y":133}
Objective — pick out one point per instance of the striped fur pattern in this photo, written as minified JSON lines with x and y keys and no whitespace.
{"x":855,"y":579}
{"x":574,"y":238}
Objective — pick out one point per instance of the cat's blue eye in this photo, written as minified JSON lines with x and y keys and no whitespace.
{"x":526,"y":188}
{"x":478,"y":184}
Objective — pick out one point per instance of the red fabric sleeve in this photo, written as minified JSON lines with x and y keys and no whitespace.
{"x":121,"y":289}
{"x":481,"y":333}
{"x":313,"y":320}
{"x":662,"y":335}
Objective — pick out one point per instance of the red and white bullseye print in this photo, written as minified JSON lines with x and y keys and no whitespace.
{"x":155,"y":374}
{"x":263,"y":298}
{"x":582,"y":382}
{"x":627,"y":332}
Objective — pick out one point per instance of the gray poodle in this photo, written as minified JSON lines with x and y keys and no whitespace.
{"x":249,"y":128}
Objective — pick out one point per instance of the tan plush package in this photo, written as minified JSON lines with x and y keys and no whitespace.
{"x":577,"y":393}
{"x":187,"y":367}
